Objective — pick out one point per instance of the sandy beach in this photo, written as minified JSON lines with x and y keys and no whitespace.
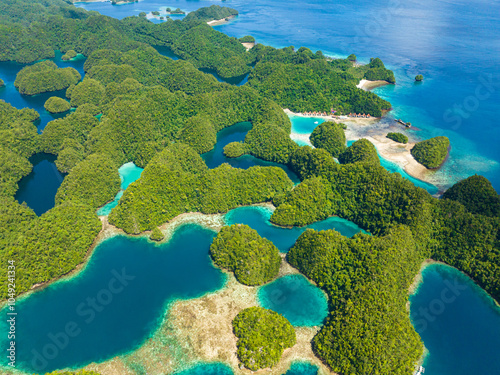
{"x":375,"y":131}
{"x":366,"y":85}
{"x":248,"y":46}
{"x":221,"y":21}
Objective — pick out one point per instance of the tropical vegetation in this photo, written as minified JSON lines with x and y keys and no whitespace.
{"x":398,"y":137}
{"x":431,"y":153}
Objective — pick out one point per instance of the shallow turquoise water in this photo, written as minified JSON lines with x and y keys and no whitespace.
{"x":284,"y":238}
{"x":294,"y":297}
{"x":39,"y":188}
{"x":115,"y":303}
{"x":237,"y":133}
{"x":129,"y":173}
{"x":302,"y":368}
{"x":458,"y":322}
{"x":8,"y":72}
{"x":208,"y":369}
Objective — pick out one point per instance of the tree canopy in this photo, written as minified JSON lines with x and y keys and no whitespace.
{"x":431,"y":153}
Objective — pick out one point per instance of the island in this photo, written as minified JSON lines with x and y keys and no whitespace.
{"x":56,"y":104}
{"x":398,"y":137}
{"x":135,"y":105}
{"x":419,"y":78}
{"x":2,"y":83}
{"x":431,"y":153}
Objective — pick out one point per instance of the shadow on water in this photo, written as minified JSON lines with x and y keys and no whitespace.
{"x":39,"y":188}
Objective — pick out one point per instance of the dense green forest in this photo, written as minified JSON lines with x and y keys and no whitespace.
{"x":178,"y":181}
{"x":253,"y":259}
{"x":360,"y":151}
{"x":398,"y":137}
{"x":366,"y":278}
{"x":431,"y":153}
{"x":477,"y":195}
{"x":56,"y":104}
{"x":329,"y":136}
{"x":45,"y":76}
{"x":262,"y":336}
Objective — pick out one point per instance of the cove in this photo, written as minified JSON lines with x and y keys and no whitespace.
{"x":8,"y":72}
{"x":294,"y":297}
{"x":458,"y":322}
{"x":284,"y":238}
{"x":39,"y":188}
{"x":129,"y":173}
{"x":302,"y":368}
{"x":115,"y":303}
{"x":237,"y":133}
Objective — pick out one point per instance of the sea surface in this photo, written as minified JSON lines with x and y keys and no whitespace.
{"x":455,"y":44}
{"x":458,"y":322}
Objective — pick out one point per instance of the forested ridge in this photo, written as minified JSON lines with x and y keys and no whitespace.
{"x":162,"y":114}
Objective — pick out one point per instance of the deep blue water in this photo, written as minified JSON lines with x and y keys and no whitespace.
{"x":8,"y":72}
{"x":237,"y":133}
{"x":454,"y":43}
{"x":294,"y":297}
{"x":458,"y":322}
{"x":129,"y":173}
{"x":115,"y":303}
{"x":39,"y":188}
{"x":284,"y":238}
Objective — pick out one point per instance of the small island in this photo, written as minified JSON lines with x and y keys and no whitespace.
{"x":419,"y":78}
{"x":213,"y":15}
{"x":431,"y":153}
{"x":45,"y":76}
{"x":120,"y":2}
{"x":331,"y":137}
{"x":258,"y":328}
{"x":253,"y":259}
{"x":2,"y":84}
{"x":69,"y":55}
{"x":398,"y":137}
{"x":56,"y":104}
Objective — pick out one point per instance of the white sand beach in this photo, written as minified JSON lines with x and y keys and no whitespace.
{"x":366,"y":85}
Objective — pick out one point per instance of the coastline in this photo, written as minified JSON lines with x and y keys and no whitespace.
{"x":375,"y":131}
{"x":248,"y":46}
{"x":366,"y":85}
{"x":221,"y":21}
{"x":200,"y":331}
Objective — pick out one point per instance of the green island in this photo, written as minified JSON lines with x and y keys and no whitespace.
{"x":262,"y":336}
{"x":2,"y":83}
{"x":43,"y":77}
{"x":162,"y":114}
{"x":56,"y":104}
{"x":211,"y":13}
{"x":431,"y":153}
{"x":329,"y":136}
{"x":419,"y":78}
{"x":398,"y":137}
{"x":70,"y":54}
{"x":253,"y":259}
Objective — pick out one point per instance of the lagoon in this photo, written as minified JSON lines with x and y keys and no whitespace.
{"x":39,"y":188}
{"x":115,"y":303}
{"x":298,"y":300}
{"x":257,"y":217}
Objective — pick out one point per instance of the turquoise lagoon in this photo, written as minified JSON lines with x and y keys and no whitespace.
{"x":302,"y":368}
{"x":38,"y":189}
{"x":257,"y":217}
{"x":115,"y":303}
{"x":294,"y":297}
{"x":129,"y":173}
{"x":208,"y":369}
